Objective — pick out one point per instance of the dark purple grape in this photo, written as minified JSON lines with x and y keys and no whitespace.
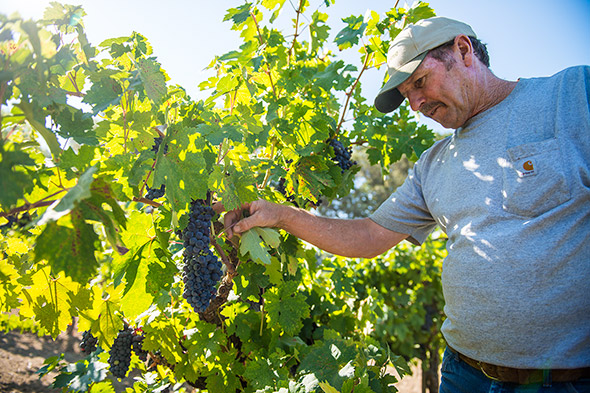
{"x":202,"y":269}
{"x":88,"y":343}
{"x":120,"y":353}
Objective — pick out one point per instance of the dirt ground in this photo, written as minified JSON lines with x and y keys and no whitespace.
{"x":22,"y":355}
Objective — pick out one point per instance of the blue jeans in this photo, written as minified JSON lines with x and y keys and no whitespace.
{"x":459,"y":377}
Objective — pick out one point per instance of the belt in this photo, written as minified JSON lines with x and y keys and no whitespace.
{"x":525,"y":376}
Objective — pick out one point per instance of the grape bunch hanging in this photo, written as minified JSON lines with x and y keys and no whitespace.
{"x":88,"y":343}
{"x":155,"y":193}
{"x":120,"y":354}
{"x":127,"y":340}
{"x":342,"y":155}
{"x":202,"y":268}
{"x":137,"y":343}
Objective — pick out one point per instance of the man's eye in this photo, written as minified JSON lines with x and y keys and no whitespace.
{"x":419,"y":82}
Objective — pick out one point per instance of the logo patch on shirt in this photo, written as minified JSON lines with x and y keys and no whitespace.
{"x":527,"y":169}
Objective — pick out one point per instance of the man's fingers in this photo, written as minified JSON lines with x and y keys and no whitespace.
{"x":243,"y":225}
{"x":232,"y":217}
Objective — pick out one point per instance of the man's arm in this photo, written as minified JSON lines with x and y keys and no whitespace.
{"x":357,"y":238}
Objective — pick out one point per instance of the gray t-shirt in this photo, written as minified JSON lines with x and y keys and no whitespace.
{"x":511,"y":190}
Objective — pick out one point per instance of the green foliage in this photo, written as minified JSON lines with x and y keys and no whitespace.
{"x":79,"y":124}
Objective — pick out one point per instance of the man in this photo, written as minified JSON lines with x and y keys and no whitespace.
{"x":510,"y":187}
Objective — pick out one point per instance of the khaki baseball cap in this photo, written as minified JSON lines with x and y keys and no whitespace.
{"x":407,"y":51}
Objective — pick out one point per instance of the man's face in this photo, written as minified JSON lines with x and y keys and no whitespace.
{"x":438,"y":92}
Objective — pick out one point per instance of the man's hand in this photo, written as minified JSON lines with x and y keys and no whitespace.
{"x":259,"y":213}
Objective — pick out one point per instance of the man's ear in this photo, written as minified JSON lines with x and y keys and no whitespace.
{"x":464,"y":49}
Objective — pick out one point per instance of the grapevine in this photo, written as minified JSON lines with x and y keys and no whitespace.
{"x":250,"y":313}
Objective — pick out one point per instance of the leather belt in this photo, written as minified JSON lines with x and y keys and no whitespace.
{"x":525,"y":376}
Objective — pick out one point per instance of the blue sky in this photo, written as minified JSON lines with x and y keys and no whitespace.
{"x":525,"y":38}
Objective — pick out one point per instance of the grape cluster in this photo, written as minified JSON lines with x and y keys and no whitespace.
{"x":155,"y":193}
{"x":88,"y":343}
{"x":202,"y":268}
{"x":120,"y":354}
{"x":281,"y":188}
{"x":138,"y":347}
{"x":291,"y":199}
{"x":157,"y":143}
{"x":15,"y":220}
{"x":342,"y":155}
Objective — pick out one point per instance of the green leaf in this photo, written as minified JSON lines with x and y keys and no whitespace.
{"x":252,"y":244}
{"x":286,"y":307}
{"x":183,"y":169}
{"x":327,"y":388}
{"x":269,"y":235}
{"x":260,"y":372}
{"x":136,"y":299}
{"x":238,"y":15}
{"x":73,"y":163}
{"x":236,"y":188}
{"x":326,"y":361}
{"x":312,"y":177}
{"x":350,"y":35}
{"x":154,"y":80}
{"x":318,"y":30}
{"x":85,"y":373}
{"x":69,"y":250}
{"x":14,"y":181}
{"x":77,"y":125}
{"x":79,"y":192}
{"x":103,"y":94}
{"x":37,"y":121}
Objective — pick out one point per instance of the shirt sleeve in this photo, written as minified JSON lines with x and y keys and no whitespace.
{"x":405,"y":211}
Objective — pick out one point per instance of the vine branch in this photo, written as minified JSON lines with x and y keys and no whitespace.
{"x":261,"y":40}
{"x":298,"y":12}
{"x":30,"y":206}
{"x":351,"y":91}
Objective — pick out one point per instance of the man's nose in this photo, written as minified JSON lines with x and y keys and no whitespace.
{"x":416,"y":100}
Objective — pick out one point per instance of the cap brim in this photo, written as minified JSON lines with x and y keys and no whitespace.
{"x":389,"y":98}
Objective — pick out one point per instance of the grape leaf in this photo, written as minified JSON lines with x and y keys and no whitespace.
{"x":184,"y":161}
{"x":102,"y":316}
{"x":350,"y":35}
{"x":83,"y":374}
{"x":326,"y":361}
{"x":77,"y":125}
{"x":102,"y":94}
{"x":135,"y":298}
{"x":252,"y":243}
{"x":312,"y":177}
{"x":238,"y":15}
{"x":48,"y":300}
{"x":286,"y":307}
{"x":13,"y":182}
{"x":70,"y":250}
{"x":260,"y":373}
{"x":327,"y":388}
{"x":75,"y":162}
{"x":77,"y":193}
{"x":154,"y":80}
{"x":269,"y":235}
{"x":9,"y":291}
